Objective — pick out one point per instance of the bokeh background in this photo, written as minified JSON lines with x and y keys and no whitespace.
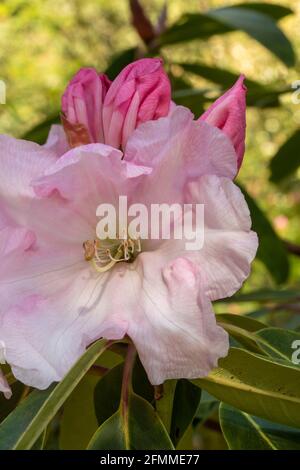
{"x":44,"y":42}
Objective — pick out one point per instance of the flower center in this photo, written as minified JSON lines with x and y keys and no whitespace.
{"x":104,"y":254}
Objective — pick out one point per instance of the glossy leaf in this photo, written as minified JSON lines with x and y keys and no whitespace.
{"x":79,"y":422}
{"x":257,"y":385}
{"x":280,"y":343}
{"x":140,"y":428}
{"x":208,"y":406}
{"x":15,"y":425}
{"x":241,"y":328}
{"x":273,"y":10}
{"x":242,"y":321}
{"x":246,"y":432}
{"x":271,"y":250}
{"x":7,"y":406}
{"x":265,"y":295}
{"x":25,"y":424}
{"x":287,"y":159}
{"x":185,"y":405}
{"x":259,"y":26}
{"x":107,"y":392}
{"x":222,"y":77}
{"x":164,"y":404}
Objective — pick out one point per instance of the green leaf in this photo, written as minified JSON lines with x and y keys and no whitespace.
{"x":119,"y":61}
{"x":222,"y":77}
{"x":40,"y":132}
{"x":139,"y":428}
{"x":256,"y":385}
{"x":192,"y":26}
{"x":271,"y":250}
{"x":79,"y":422}
{"x":260,"y":27}
{"x":164,"y":405}
{"x":257,"y":24}
{"x":265,"y":295}
{"x":275,"y":11}
{"x":25,"y":424}
{"x":15,"y":425}
{"x":7,"y":406}
{"x":245,"y":432}
{"x":241,"y":328}
{"x":107,"y":392}
{"x":278,"y":343}
{"x":208,"y":406}
{"x":287,"y":159}
{"x":242,"y":321}
{"x":185,"y":404}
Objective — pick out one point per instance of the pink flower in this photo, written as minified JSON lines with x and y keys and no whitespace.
{"x":54,"y":303}
{"x":82,"y":104}
{"x":140,"y":93}
{"x":228,"y":113}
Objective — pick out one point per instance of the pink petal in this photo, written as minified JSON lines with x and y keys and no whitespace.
{"x":229,"y":244}
{"x":20,"y":162}
{"x":57,"y":141}
{"x":172,"y":324}
{"x":228,"y":113}
{"x":179,"y":150}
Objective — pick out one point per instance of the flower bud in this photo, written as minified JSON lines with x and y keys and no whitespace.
{"x":82,"y":104}
{"x":141,"y":92}
{"x":228,"y":113}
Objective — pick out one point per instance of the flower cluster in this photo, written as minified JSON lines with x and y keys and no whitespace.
{"x":121,"y":138}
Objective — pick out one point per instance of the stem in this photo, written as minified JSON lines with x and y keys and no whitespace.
{"x":127,"y":374}
{"x":126,"y":391}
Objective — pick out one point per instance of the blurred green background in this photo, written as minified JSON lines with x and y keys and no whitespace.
{"x":44,"y":42}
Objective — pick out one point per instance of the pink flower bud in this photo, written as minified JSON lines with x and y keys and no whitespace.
{"x":82,"y":104}
{"x":141,"y":92}
{"x":228,"y":113}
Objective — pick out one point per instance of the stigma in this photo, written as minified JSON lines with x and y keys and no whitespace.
{"x":104,"y":254}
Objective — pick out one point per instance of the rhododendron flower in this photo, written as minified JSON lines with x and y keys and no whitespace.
{"x":228,"y":113}
{"x":56,"y":299}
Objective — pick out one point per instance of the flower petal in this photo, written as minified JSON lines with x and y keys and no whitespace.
{"x":20,"y":162}
{"x":229,"y":244}
{"x":57,"y":140}
{"x":179,"y":149}
{"x":172,"y":324}
{"x":51,"y":321}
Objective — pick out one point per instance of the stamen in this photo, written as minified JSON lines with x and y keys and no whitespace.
{"x":104,"y":254}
